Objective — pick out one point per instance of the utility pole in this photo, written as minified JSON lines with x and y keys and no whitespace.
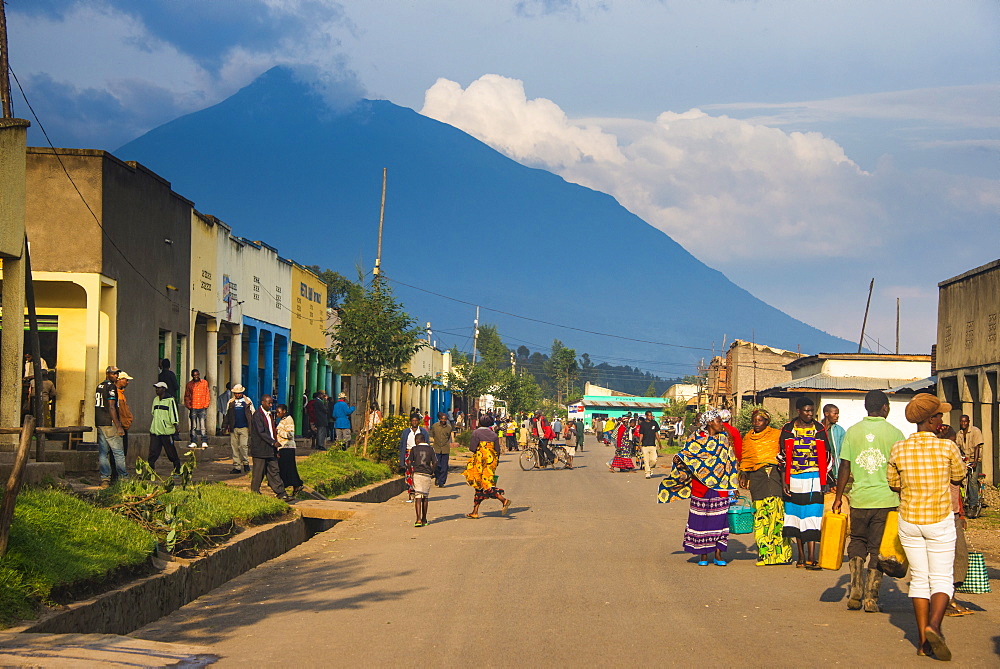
{"x":475,"y":336}
{"x":513,"y":363}
{"x":4,"y":64}
{"x":427,"y":331}
{"x":864,"y":323}
{"x":897,"y":326}
{"x":381,"y":219}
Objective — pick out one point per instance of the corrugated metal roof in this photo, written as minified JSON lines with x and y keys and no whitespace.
{"x":914,"y":387}
{"x":842,"y":383}
{"x":623,"y":405}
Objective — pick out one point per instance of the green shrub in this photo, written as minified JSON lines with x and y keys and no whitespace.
{"x":333,"y":473}
{"x":383,"y":441}
{"x":60,"y":547}
{"x":462,"y":438}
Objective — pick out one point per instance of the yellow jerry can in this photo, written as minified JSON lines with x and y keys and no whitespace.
{"x":833,"y":537}
{"x":891,"y":557}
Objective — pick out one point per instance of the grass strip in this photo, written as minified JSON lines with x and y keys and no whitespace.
{"x":336,"y":472}
{"x":61,"y":548}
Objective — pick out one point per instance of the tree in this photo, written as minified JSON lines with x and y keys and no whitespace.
{"x":650,"y":390}
{"x":519,"y":391}
{"x":338,"y":287}
{"x":471,"y":381}
{"x":375,"y":337}
{"x":492,"y":351}
{"x":562,"y":369}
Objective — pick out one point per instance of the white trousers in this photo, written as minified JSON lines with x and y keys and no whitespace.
{"x":649,"y":458}
{"x":930,"y":550}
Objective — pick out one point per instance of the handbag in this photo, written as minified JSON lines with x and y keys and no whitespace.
{"x":977,"y":580}
{"x":740,"y":516}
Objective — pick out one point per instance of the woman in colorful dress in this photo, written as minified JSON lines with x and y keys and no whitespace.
{"x":760,"y":473}
{"x":806,"y":461}
{"x":623,"y":448}
{"x":706,"y":471}
{"x":480,"y":473}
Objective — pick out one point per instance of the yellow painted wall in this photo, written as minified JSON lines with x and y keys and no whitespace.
{"x":308,"y":308}
{"x":205,"y":279}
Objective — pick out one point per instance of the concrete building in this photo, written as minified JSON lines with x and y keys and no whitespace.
{"x":681,"y":392}
{"x":844,"y":379}
{"x":967,"y":355}
{"x":613,"y":406}
{"x":267,"y":320}
{"x":308,"y":332}
{"x":111,"y":269}
{"x":751,"y":367}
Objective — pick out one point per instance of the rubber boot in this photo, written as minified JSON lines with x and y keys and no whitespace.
{"x":855,"y":594}
{"x":872,"y":584}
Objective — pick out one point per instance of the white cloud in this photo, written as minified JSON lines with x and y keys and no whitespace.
{"x":748,"y":199}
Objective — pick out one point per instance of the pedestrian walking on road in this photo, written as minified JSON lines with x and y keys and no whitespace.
{"x":109,"y":427}
{"x":239,"y":411}
{"x":163,"y":428}
{"x":579,"y":434}
{"x":407,"y":440}
{"x":441,"y":435}
{"x":196,"y":400}
{"x":125,"y":415}
{"x":759,"y":471}
{"x":264,"y":450}
{"x":864,"y":454}
{"x":287,"y":468}
{"x":624,"y":448}
{"x":423,"y":461}
{"x":805,"y":454}
{"x":921,"y":468}
{"x":649,"y":434}
{"x":319,"y":416}
{"x":480,"y":473}
{"x":706,"y":471}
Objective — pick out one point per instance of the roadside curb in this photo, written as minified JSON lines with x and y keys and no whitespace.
{"x":375,"y":493}
{"x":179,"y":582}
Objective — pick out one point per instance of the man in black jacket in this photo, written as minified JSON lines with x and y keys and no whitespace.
{"x":263,"y":450}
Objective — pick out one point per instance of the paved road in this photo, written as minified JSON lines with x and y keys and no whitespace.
{"x":587,"y":568}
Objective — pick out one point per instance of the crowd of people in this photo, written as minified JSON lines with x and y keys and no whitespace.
{"x":871,"y":469}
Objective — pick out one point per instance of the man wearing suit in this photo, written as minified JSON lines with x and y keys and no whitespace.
{"x":407,"y":439}
{"x":263,"y":450}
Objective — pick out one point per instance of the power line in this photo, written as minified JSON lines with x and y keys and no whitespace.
{"x":538,"y":320}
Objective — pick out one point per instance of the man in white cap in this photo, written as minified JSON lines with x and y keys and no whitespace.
{"x":342,"y":420}
{"x":109,"y":427}
{"x":239,"y":410}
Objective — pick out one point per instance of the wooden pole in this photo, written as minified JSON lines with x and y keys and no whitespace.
{"x":8,"y":112}
{"x":897,"y":326}
{"x":864,"y":324}
{"x":381,"y":220}
{"x":14,"y":482}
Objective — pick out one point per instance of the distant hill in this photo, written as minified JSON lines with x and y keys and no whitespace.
{"x":280,"y":165}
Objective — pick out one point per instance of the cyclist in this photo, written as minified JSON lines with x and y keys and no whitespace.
{"x":542,"y":431}
{"x":970,"y":442}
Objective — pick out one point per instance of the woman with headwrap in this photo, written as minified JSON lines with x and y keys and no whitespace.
{"x":624,"y":448}
{"x":759,"y":471}
{"x":706,"y":471}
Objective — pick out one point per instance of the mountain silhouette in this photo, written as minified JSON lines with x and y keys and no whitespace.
{"x":279,"y":164}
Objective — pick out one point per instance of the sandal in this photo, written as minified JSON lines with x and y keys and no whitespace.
{"x":503,"y":511}
{"x":471,"y":515}
{"x":938,"y":645}
{"x":813,"y":566}
{"x":800,"y":564}
{"x":703,"y":563}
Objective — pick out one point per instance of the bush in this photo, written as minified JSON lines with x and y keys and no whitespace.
{"x":462,"y":438}
{"x":333,"y":473}
{"x":742,"y":420}
{"x":383,"y":440}
{"x":61,"y":547}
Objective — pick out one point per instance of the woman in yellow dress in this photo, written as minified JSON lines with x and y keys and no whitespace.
{"x":481,"y":470}
{"x":759,"y":471}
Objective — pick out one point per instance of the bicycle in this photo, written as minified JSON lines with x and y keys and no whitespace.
{"x":972,"y":510}
{"x":529,"y":457}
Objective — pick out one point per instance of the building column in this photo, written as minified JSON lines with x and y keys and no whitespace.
{"x":313,"y":372}
{"x":337,"y":385}
{"x":268,"y":382}
{"x":235,"y":355}
{"x":328,"y":385}
{"x":300,"y":384}
{"x":282,"y":381}
{"x":253,"y":363}
{"x":212,"y":367}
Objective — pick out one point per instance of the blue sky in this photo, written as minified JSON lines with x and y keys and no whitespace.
{"x":800,"y":147}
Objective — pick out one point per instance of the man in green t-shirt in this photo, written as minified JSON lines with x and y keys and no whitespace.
{"x":163,"y":427}
{"x":864,"y":453}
